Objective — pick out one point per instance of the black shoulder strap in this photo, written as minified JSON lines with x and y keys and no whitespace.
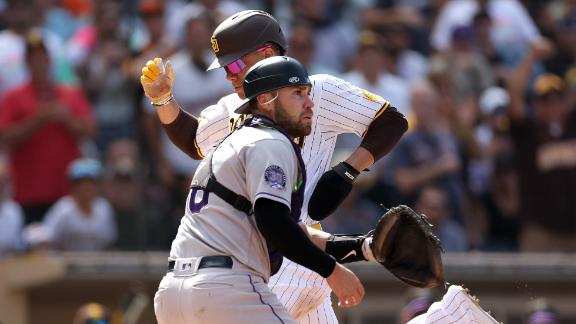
{"x":237,"y":201}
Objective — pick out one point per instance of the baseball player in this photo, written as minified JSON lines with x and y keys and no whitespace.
{"x":339,"y":107}
{"x":242,"y":211}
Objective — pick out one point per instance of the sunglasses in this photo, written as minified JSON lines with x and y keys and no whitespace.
{"x":237,"y":66}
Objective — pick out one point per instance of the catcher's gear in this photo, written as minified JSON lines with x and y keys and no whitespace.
{"x":157,"y":80}
{"x":404,"y":243}
{"x":332,"y":188}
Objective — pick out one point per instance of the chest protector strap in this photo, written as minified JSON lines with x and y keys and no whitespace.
{"x":242,"y":203}
{"x":237,"y":201}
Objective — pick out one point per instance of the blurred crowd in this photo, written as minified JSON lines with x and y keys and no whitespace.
{"x":488,"y":87}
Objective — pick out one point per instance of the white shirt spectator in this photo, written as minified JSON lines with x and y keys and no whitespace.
{"x":512,"y":26}
{"x":11,"y":222}
{"x":412,"y":66}
{"x":68,"y":228}
{"x":389,"y":86}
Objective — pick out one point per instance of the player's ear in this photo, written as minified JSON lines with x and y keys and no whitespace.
{"x":269,"y":52}
{"x":265,"y":98}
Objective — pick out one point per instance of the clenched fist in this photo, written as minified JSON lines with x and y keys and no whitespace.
{"x":157,"y":79}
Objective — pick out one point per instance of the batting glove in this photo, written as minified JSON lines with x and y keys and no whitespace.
{"x":157,"y":80}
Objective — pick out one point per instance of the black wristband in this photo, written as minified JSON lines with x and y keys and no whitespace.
{"x":346,"y":171}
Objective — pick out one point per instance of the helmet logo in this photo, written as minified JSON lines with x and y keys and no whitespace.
{"x":294,"y":79}
{"x":214,"y":43}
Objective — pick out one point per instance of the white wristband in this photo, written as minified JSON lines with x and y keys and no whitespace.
{"x":163,"y":102}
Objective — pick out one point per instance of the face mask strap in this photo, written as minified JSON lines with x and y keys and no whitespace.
{"x":269,"y":101}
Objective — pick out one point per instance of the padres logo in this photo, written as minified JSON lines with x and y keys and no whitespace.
{"x":235,"y":122}
{"x":370,"y":96}
{"x":214,"y":43}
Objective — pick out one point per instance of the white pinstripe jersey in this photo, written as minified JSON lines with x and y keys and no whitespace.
{"x":339,"y":107}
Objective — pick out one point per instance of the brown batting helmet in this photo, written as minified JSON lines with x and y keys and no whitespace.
{"x":243,"y":33}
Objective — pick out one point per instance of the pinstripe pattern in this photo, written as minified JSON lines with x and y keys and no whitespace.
{"x":262,"y":300}
{"x":302,"y":291}
{"x":339,"y":107}
{"x":324,"y":314}
{"x":455,"y":307}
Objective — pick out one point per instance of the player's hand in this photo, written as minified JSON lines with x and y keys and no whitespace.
{"x":157,"y":79}
{"x":332,"y":188}
{"x":346,"y":286}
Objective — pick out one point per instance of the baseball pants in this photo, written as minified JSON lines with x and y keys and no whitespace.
{"x":304,"y":293}
{"x":217,"y":296}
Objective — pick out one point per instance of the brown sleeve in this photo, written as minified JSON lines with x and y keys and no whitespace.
{"x":182,"y":132}
{"x":384,"y":132}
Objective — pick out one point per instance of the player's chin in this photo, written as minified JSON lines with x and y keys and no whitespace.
{"x":306,"y":129}
{"x":307,"y":124}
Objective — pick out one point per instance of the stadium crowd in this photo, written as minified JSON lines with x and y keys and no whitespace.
{"x":488,"y":86}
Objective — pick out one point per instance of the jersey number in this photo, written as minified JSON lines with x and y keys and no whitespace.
{"x":195,"y":205}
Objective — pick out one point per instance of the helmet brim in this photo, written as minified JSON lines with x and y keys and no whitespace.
{"x":243,"y":109}
{"x":224,"y":60}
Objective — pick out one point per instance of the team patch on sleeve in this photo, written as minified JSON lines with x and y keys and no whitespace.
{"x":275,"y":177}
{"x":371,"y":96}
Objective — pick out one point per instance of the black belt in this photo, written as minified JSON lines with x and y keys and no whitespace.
{"x":213,"y":261}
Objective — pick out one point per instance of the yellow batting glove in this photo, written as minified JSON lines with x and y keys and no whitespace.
{"x":157,"y":80}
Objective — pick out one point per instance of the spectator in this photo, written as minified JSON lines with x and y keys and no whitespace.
{"x":371,"y":73}
{"x":41,"y":123}
{"x":406,"y":63}
{"x":301,"y":46}
{"x":19,"y":16}
{"x":158,"y":43}
{"x":432,"y":202}
{"x":545,"y":145}
{"x":468,"y":71}
{"x":492,"y":178}
{"x":106,"y":80}
{"x":512,"y":29}
{"x":11,"y":217}
{"x":92,"y":313}
{"x":539,"y":311}
{"x":81,"y":221}
{"x":334,"y":37}
{"x":139,"y":221}
{"x":483,"y":44}
{"x":426,"y":155}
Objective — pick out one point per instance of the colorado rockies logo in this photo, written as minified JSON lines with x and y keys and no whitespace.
{"x":214,"y":43}
{"x":275,"y":177}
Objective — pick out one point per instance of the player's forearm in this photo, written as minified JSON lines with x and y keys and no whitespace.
{"x":318,"y":237}
{"x":274,"y":222}
{"x":168,"y":112}
{"x":182,"y":130}
{"x":360,"y":159}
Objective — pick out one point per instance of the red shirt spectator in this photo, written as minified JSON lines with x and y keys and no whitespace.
{"x":41,"y":124}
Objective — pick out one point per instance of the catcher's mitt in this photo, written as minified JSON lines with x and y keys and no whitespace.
{"x":404,"y":243}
